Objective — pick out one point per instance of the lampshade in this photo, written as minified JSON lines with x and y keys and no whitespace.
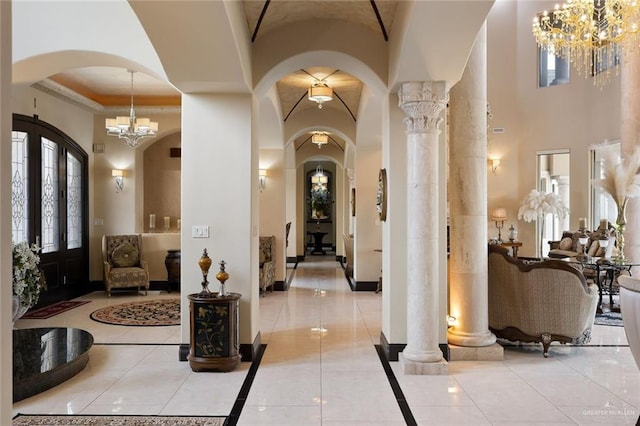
{"x":320,"y":138}
{"x":117,"y":173}
{"x":131,"y":129}
{"x":320,"y":93}
{"x":499,"y":214}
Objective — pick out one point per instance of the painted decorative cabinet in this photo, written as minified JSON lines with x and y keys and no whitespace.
{"x":214,"y":341}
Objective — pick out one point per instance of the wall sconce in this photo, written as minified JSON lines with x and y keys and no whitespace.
{"x":118,"y":177}
{"x":495,"y":162}
{"x":262,"y":178}
{"x":451,"y":321}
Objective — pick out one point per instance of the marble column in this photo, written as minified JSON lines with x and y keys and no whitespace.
{"x":468,"y":288}
{"x":422,"y":103}
{"x":563,"y":193}
{"x":630,"y":140}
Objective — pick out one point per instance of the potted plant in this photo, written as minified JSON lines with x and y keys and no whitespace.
{"x":28,"y":279}
{"x":320,"y":203}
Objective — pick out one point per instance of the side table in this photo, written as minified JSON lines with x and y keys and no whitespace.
{"x":214,"y":340}
{"x":514,"y":245}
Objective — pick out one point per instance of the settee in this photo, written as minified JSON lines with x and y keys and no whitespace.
{"x":267,"y":253}
{"x":539,"y":301}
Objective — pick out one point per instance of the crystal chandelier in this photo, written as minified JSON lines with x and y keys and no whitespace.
{"x":592,"y":35}
{"x":130,"y":128}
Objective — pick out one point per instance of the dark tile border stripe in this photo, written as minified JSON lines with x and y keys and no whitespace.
{"x":397,"y":391}
{"x":241,"y":399}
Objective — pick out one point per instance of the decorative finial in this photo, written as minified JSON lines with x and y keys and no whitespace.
{"x":222,"y":276}
{"x":205,"y":264}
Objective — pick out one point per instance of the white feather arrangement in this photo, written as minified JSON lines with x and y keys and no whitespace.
{"x":621,"y":180}
{"x":539,"y":204}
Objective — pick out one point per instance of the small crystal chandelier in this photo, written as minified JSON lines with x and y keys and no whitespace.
{"x":130,"y":128}
{"x":320,"y":138}
{"x":592,"y":35}
{"x":320,"y":93}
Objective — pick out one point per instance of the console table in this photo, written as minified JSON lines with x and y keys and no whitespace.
{"x":45,"y":357}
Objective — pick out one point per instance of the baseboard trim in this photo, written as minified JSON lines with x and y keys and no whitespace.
{"x":280,"y":286}
{"x":392,"y":350}
{"x":292,"y":259}
{"x":248,"y":351}
{"x":364,"y":286}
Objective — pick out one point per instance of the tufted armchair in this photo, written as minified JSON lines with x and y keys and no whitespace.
{"x":267,"y":263}
{"x":123,"y":264}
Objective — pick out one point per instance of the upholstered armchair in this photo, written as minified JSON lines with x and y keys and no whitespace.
{"x":267,"y":263}
{"x":123,"y":264}
{"x":539,"y":301}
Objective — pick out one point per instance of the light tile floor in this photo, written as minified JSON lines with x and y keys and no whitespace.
{"x":320,"y":367}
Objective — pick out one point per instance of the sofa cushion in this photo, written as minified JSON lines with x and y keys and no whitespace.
{"x":566,"y":244}
{"x":125,"y":256}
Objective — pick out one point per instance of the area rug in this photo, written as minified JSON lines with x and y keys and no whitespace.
{"x":66,"y":420}
{"x":156,"y":312}
{"x":609,"y":318}
{"x":55,"y":309}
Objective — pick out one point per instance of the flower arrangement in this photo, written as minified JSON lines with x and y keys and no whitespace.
{"x":538,"y":204}
{"x":28,"y":280}
{"x":320,"y":201}
{"x":622,"y":182}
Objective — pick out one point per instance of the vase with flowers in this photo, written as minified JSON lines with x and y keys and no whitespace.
{"x":537,"y":205}
{"x":620,"y":179}
{"x":28,"y":279}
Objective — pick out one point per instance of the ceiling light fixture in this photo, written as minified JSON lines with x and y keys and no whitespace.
{"x":130,"y":128}
{"x":320,"y":93}
{"x":320,"y":138}
{"x":590,"y":34}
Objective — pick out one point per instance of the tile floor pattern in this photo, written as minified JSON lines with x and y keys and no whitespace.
{"x":321,"y":367}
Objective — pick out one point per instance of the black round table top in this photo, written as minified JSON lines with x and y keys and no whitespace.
{"x":45,"y":357}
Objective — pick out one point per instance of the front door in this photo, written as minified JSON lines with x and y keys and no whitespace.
{"x":49,"y":204}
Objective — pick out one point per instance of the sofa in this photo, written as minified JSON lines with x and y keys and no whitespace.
{"x":569,"y":246}
{"x":267,"y":254}
{"x":539,"y":301}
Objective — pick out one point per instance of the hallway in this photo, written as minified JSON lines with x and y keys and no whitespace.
{"x":321,"y":367}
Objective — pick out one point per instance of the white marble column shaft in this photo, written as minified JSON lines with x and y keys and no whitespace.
{"x":630,"y":136}
{"x":468,"y":288}
{"x":422,"y":103}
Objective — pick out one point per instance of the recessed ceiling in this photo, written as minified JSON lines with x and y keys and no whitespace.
{"x":292,"y":90}
{"x":264,"y":16}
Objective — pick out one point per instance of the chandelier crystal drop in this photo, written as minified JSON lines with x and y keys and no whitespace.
{"x":131,"y":129}
{"x":592,"y":35}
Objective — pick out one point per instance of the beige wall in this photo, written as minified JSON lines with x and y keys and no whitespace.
{"x":574,"y":116}
{"x":162,"y":183}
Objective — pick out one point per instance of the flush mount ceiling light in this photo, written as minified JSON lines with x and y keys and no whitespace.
{"x":131,"y":129}
{"x":320,"y":138}
{"x":320,"y":93}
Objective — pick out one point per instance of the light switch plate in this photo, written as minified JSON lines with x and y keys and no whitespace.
{"x":200,"y":231}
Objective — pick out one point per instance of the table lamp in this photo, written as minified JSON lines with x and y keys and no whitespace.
{"x":499,"y":216}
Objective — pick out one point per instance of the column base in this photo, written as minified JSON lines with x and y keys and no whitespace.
{"x":460,"y":338}
{"x":423,"y":368}
{"x":494,"y":352}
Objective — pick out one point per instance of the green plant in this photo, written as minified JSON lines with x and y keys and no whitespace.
{"x":28,"y":279}
{"x":321,"y":200}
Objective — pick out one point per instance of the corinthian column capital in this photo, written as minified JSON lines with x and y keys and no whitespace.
{"x":422,"y":102}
